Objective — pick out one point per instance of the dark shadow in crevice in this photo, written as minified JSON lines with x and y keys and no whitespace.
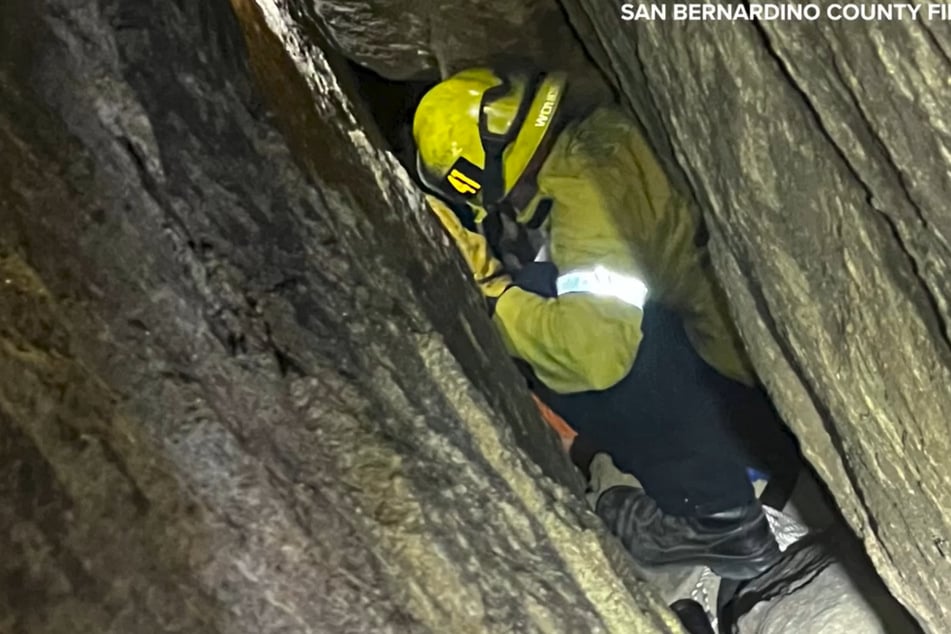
{"x":391,"y":103}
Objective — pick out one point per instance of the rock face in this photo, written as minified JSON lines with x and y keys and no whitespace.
{"x":429,"y":39}
{"x":240,"y":391}
{"x":820,"y":154}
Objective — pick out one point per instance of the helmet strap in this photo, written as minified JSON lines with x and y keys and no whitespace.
{"x":526,"y":187}
{"x":492,"y":230}
{"x":494,"y":144}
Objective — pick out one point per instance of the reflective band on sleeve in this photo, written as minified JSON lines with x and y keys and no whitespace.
{"x":601,"y":281}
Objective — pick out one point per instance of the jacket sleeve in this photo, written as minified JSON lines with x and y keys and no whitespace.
{"x":663,"y":226}
{"x":578,"y":341}
{"x":614,"y":206}
{"x":572,"y":341}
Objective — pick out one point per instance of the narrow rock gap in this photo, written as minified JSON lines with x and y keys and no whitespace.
{"x":207,"y":541}
{"x":392,"y":104}
{"x":816,"y":503}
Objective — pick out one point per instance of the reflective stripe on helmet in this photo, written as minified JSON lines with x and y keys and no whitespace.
{"x":601,"y":281}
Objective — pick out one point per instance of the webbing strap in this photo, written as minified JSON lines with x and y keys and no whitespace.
{"x":601,"y":281}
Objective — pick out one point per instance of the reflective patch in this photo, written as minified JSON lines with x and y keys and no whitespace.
{"x":601,"y":281}
{"x":464,"y":177}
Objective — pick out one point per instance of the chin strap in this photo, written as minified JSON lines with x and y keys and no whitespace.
{"x":496,"y":202}
{"x":494,"y":143}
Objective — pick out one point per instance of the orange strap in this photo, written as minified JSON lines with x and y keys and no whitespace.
{"x":556,"y":422}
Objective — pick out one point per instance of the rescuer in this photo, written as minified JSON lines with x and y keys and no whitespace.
{"x":625,"y":330}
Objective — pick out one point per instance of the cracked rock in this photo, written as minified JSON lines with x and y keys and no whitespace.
{"x":820,"y":156}
{"x":232,"y":398}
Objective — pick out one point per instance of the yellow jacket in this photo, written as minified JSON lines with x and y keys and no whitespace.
{"x":612,"y":205}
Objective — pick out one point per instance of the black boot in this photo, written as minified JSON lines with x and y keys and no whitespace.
{"x":735,"y":544}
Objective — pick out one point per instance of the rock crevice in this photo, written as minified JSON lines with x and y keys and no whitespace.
{"x":232,"y":398}
{"x":818,"y":154}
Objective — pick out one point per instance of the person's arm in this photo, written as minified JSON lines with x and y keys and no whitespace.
{"x":575,"y":342}
{"x":611,"y":183}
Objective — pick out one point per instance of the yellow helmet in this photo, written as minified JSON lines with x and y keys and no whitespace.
{"x":477,"y":132}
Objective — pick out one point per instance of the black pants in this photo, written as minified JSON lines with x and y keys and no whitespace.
{"x":674,"y":422}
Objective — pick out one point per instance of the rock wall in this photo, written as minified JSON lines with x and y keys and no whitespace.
{"x":820,"y":154}
{"x":430,"y":39}
{"x":240,"y":390}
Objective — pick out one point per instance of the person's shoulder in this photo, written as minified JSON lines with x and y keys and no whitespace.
{"x":609,"y":115}
{"x":598,"y":137}
{"x":592,"y":142}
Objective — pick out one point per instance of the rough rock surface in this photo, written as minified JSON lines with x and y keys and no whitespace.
{"x":232,"y":396}
{"x":820,"y":154}
{"x":429,"y":39}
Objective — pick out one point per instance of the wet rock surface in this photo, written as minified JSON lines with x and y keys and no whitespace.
{"x":819,"y":153}
{"x":232,"y":398}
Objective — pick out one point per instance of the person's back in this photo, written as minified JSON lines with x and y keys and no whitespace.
{"x":608,"y":346}
{"x":614,"y":206}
